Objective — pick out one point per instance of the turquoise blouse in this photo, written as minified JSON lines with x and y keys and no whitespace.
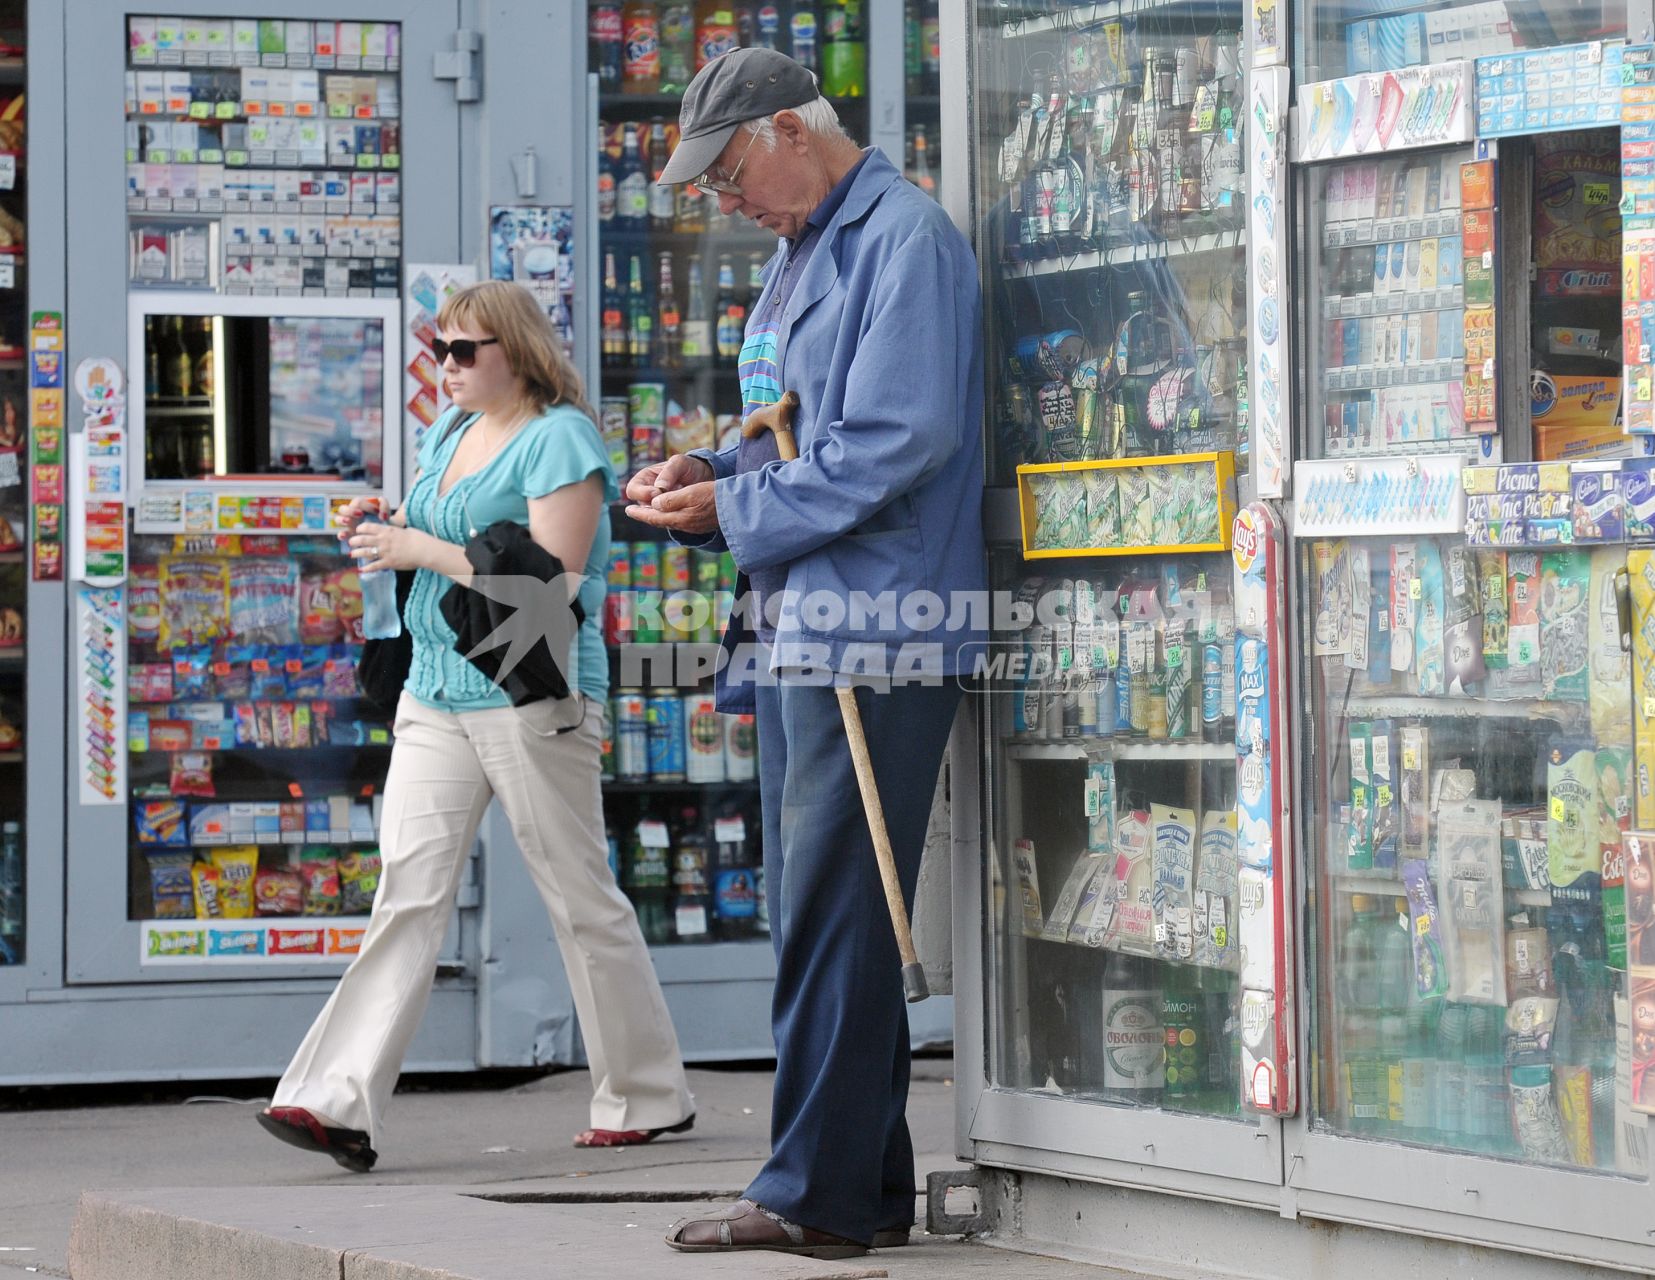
{"x":560,"y":447}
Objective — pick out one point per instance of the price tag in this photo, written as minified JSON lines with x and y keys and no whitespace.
{"x":1416,"y":588}
{"x":226,"y":110}
{"x":200,"y":110}
{"x":729,"y":830}
{"x":1410,"y":758}
{"x":1560,"y":811}
{"x":1094,"y":798}
{"x":652,"y":834}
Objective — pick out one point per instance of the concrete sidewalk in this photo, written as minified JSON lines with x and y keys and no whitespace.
{"x":476,"y":1181}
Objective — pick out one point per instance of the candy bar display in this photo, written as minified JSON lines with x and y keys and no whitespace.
{"x":255,"y":766}
{"x":264,"y":157}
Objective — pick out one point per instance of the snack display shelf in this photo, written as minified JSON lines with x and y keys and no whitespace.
{"x":1366,"y":231}
{"x":233,"y":113}
{"x":1124,"y":255}
{"x":1389,"y":706}
{"x":1088,"y":15}
{"x":1366,"y":304}
{"x":1109,"y":749}
{"x":268,"y":751}
{"x":273,"y":939}
{"x":1383,"y":887}
{"x":654,"y":786}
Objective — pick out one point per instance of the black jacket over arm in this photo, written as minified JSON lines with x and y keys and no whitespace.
{"x":505,"y":550}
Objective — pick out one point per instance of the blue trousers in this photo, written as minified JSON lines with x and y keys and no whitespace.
{"x":841,"y":1159}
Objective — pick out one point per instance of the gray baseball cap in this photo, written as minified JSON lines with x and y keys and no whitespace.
{"x":742,"y":85}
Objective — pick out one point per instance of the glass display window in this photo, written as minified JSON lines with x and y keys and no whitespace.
{"x":1116,"y":888}
{"x":1471,"y":777}
{"x":1112,"y":210}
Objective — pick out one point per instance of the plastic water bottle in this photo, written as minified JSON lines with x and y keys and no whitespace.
{"x":380,"y":619}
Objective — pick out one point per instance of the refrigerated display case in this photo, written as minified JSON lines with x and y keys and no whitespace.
{"x":1133,"y":940}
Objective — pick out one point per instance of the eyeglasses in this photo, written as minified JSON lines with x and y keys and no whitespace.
{"x":464,"y":350}
{"x":726,"y":186}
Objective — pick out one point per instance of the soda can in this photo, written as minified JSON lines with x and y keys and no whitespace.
{"x":647,"y":414}
{"x":617,"y":616}
{"x":630,"y":718}
{"x":615,"y":423}
{"x":620,"y":564}
{"x":675,"y":567}
{"x":741,"y":748}
{"x":665,"y":713}
{"x":646,"y":615}
{"x":1212,"y":691}
{"x":646,"y":565}
{"x":704,"y":739}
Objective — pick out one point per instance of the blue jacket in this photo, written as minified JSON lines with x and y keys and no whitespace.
{"x":882,"y":341}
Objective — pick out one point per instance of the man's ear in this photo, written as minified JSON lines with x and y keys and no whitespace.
{"x":792,"y":130}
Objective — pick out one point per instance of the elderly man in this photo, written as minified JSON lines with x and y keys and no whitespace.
{"x":857,"y":551}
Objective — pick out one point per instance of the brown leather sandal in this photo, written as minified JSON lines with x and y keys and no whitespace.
{"x":746,"y":1226}
{"x":630,"y":1137}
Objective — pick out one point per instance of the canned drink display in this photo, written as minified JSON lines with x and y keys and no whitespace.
{"x":630,"y":720}
{"x":741,"y":748}
{"x":615,"y":423}
{"x":665,"y":711}
{"x":704,"y":739}
{"x":646,"y":565}
{"x":620,"y":564}
{"x":677,"y":608}
{"x":675,"y":567}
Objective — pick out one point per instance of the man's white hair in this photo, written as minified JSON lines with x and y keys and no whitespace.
{"x":817,"y":116}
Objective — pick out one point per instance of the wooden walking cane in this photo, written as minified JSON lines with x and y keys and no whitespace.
{"x":777,"y":419}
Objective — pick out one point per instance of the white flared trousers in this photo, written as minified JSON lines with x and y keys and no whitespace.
{"x":445,"y":767}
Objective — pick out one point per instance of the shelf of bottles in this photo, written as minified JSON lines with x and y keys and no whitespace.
{"x":255,"y":765}
{"x":14,"y":468}
{"x":1116,"y":881}
{"x":1469,"y":763}
{"x":1113,"y":231}
{"x":264,"y":156}
{"x":679,"y":275}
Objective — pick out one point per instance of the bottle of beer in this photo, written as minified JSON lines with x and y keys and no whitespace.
{"x":648,"y":878}
{"x":640,"y":323}
{"x":696,"y":346}
{"x":1134,"y":1049}
{"x":690,"y":896}
{"x":662,"y":208}
{"x":735,"y":886}
{"x":755,"y":279}
{"x":732,"y":314}
{"x":631,"y":186}
{"x":153,"y":342}
{"x":921,"y":175}
{"x":179,"y":369}
{"x":668,"y":319}
{"x":613,"y":341}
{"x":201,"y":352}
{"x":606,"y":179}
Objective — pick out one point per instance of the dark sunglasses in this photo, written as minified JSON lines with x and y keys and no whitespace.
{"x":464,"y":350}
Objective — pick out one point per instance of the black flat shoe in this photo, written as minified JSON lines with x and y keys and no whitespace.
{"x":298,"y":1128}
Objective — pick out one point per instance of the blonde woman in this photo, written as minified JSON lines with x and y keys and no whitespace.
{"x":519,"y":445}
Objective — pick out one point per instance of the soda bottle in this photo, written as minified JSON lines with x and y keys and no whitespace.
{"x":668,"y":320}
{"x":648,"y":879}
{"x":844,"y":53}
{"x":732,"y":314}
{"x":922,"y":164}
{"x":696,"y":346}
{"x":677,"y":47}
{"x":930,"y":50}
{"x":604,"y":30}
{"x":631,"y":185}
{"x":689,"y":880}
{"x":735,"y":887}
{"x":746,"y":26}
{"x":606,"y":180}
{"x":380,"y":617}
{"x":715,"y":31}
{"x":640,"y":322}
{"x":612,"y":342}
{"x":1183,"y":1021}
{"x":805,"y":34}
{"x":662,"y":206}
{"x":641,"y":59}
{"x":767,"y":24}
{"x":1134,"y":1051}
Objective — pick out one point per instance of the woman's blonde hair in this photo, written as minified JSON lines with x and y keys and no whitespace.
{"x":533,"y":351}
